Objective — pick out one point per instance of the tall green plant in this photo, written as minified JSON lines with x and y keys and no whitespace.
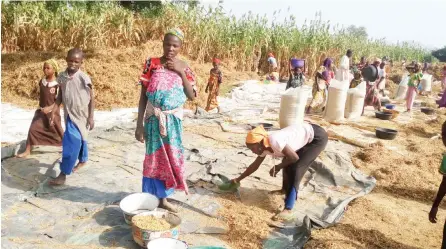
{"x":209,"y":32}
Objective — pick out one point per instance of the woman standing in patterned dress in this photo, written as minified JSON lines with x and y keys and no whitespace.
{"x":166,"y":82}
{"x":41,"y":131}
{"x":415,"y":77}
{"x":319,"y":95}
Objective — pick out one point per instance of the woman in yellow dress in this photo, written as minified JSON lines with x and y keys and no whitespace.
{"x":213,"y":86}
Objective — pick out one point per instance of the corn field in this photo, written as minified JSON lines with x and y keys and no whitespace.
{"x":46,"y":26}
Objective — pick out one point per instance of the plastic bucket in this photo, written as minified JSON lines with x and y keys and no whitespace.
{"x":166,"y":243}
{"x":137,"y":203}
{"x":143,"y":236}
{"x":297,"y":63}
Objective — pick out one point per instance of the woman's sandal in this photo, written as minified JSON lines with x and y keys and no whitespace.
{"x":285,"y":216}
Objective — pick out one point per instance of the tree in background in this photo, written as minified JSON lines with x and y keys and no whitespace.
{"x":141,"y":5}
{"x":360,"y":31}
{"x":440,"y":54}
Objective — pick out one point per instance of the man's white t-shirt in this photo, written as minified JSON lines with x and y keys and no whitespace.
{"x":295,"y":136}
{"x":345,"y":63}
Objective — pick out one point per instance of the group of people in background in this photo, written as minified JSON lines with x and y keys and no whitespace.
{"x":348,"y":71}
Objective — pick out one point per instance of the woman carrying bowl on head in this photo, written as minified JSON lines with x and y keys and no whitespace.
{"x":370,"y":75}
{"x":296,"y":71}
{"x":298,"y":145}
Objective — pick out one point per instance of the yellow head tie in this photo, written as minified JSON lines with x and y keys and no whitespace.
{"x":256,"y":135}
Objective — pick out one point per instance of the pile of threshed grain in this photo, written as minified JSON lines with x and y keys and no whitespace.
{"x":114,"y":73}
{"x":412,"y":174}
{"x":248,"y":224}
{"x":152,"y":223}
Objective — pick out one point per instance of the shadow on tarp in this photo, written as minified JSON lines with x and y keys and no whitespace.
{"x":79,"y":194}
{"x":119,"y":233}
{"x":23,"y":174}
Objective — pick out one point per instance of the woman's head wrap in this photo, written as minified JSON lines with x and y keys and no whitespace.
{"x":176,"y":32}
{"x":270,"y":55}
{"x":216,"y":61}
{"x":327,"y":62}
{"x":53,"y":64}
{"x":256,"y":135}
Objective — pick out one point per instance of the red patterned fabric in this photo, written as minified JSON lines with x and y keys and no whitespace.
{"x":157,"y":168}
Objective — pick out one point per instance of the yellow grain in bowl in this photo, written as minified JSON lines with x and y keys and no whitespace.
{"x":152,"y":223}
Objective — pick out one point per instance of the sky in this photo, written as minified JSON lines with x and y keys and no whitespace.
{"x":395,"y":20}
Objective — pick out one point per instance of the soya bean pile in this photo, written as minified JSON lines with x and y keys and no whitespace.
{"x":151,"y":223}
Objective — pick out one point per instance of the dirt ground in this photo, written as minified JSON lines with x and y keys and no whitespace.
{"x":394,"y":215}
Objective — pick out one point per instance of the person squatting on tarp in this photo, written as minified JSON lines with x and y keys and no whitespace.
{"x":297,"y":145}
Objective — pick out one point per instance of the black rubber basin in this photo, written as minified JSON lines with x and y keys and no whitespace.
{"x":384,"y":133}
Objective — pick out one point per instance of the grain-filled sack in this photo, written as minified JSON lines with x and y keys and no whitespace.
{"x":355,"y":101}
{"x":292,"y":106}
{"x":337,"y":96}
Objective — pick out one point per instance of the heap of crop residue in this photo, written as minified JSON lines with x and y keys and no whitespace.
{"x":248,"y":224}
{"x":114,"y":73}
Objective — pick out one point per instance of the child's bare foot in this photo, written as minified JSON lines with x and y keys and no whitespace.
{"x":277,"y":192}
{"x":59,"y":180}
{"x":168,"y":206}
{"x":79,"y":166}
{"x":24,"y":154}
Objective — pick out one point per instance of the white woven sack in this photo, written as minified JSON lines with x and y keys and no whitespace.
{"x":337,"y":96}
{"x":292,"y":106}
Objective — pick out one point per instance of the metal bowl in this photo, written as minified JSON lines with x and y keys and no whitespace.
{"x":384,"y":133}
{"x":143,"y":236}
{"x":137,"y":203}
